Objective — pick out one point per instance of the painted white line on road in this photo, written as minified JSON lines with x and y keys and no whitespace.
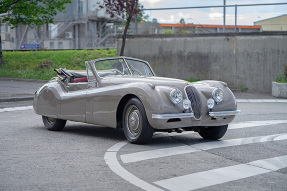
{"x":115,"y":166}
{"x":233,"y":125}
{"x":223,"y":175}
{"x":16,"y":108}
{"x":159,"y":153}
{"x":273,"y":164}
{"x":113,"y":163}
{"x":261,"y":100}
{"x":245,"y":124}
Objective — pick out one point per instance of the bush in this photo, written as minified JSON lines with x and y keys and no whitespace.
{"x":183,"y":32}
{"x":281,"y":78}
{"x":168,"y":32}
{"x":193,"y":80}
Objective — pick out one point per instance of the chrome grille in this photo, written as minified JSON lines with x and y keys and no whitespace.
{"x":196,"y":103}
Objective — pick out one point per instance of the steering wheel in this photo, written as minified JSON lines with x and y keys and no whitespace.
{"x":118,"y":71}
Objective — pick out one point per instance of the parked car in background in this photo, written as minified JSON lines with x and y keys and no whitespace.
{"x":123,"y":92}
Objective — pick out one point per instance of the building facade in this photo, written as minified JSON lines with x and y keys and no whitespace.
{"x":274,"y":24}
{"x":82,"y":26}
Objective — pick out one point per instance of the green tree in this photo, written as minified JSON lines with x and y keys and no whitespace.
{"x":125,"y":8}
{"x":154,"y":20}
{"x":29,"y":12}
{"x":182,"y":21}
{"x":140,"y":15}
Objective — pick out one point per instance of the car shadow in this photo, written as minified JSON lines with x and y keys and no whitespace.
{"x":88,"y":130}
{"x":96,"y":131}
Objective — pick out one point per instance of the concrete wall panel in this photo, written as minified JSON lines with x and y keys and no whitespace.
{"x":242,"y":60}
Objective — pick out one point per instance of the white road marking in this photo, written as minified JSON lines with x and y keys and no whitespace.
{"x":159,"y":153}
{"x":233,"y":125}
{"x":223,"y":175}
{"x":16,"y":108}
{"x":113,"y":163}
{"x":245,"y":124}
{"x":261,"y":100}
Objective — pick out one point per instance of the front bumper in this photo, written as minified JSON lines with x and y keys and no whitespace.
{"x":224,"y":113}
{"x":189,"y":115}
{"x":172,"y":116}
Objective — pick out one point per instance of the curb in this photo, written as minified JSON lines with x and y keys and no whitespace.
{"x":14,"y":99}
{"x":24,"y":80}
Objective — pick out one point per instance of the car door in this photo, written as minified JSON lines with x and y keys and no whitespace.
{"x":73,"y":103}
{"x":102,"y":101}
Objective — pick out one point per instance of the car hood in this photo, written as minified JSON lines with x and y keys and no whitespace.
{"x":157,"y":81}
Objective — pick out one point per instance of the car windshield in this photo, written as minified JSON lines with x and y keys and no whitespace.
{"x":119,"y":68}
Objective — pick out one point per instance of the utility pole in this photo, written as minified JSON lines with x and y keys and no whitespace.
{"x":235,"y":18}
{"x":224,"y":14}
{"x":136,"y":23}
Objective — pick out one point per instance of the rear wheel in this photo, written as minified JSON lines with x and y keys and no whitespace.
{"x":135,"y":124}
{"x":213,"y":133}
{"x":53,"y":124}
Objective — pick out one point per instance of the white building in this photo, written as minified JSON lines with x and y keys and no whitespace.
{"x":83,"y":26}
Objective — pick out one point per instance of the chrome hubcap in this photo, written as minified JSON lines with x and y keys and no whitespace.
{"x":51,"y":120}
{"x":133,"y":120}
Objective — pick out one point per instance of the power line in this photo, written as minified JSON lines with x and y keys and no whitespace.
{"x":214,"y":6}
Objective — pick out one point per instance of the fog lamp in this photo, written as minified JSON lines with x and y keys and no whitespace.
{"x":186,"y":104}
{"x":210,"y":103}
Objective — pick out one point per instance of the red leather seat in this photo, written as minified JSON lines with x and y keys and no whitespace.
{"x":84,"y":79}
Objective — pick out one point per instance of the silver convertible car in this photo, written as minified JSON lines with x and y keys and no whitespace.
{"x":125,"y":93}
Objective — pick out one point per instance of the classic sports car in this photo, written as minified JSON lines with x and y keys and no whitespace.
{"x":124,"y":92}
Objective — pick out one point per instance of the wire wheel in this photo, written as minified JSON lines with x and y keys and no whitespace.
{"x":50,"y":120}
{"x":135,"y":124}
{"x":134,"y":121}
{"x":53,"y":124}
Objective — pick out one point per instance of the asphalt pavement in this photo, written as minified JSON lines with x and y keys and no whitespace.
{"x":251,"y":156}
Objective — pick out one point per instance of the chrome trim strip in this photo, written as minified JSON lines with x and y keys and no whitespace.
{"x":224,"y":113}
{"x":170,"y":116}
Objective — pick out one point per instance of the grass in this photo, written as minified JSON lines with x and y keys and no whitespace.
{"x":26,"y":65}
{"x":244,"y":89}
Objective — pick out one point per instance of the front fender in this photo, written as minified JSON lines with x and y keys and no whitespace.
{"x":47,"y":100}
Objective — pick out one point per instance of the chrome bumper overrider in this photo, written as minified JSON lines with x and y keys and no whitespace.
{"x":224,"y":113}
{"x":171,"y":116}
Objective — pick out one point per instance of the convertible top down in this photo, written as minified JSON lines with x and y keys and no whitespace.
{"x":123,"y":92}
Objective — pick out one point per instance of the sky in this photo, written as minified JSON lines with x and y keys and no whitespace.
{"x":245,"y":15}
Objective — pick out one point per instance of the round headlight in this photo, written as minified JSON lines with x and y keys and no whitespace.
{"x":210,"y":103}
{"x":175,"y":96}
{"x":218,"y":95}
{"x":186,"y":104}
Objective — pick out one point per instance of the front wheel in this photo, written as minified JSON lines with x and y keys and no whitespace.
{"x":135,"y":124}
{"x":53,"y":124}
{"x":213,"y":133}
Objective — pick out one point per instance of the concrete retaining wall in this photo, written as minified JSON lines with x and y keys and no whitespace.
{"x":242,"y":60}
